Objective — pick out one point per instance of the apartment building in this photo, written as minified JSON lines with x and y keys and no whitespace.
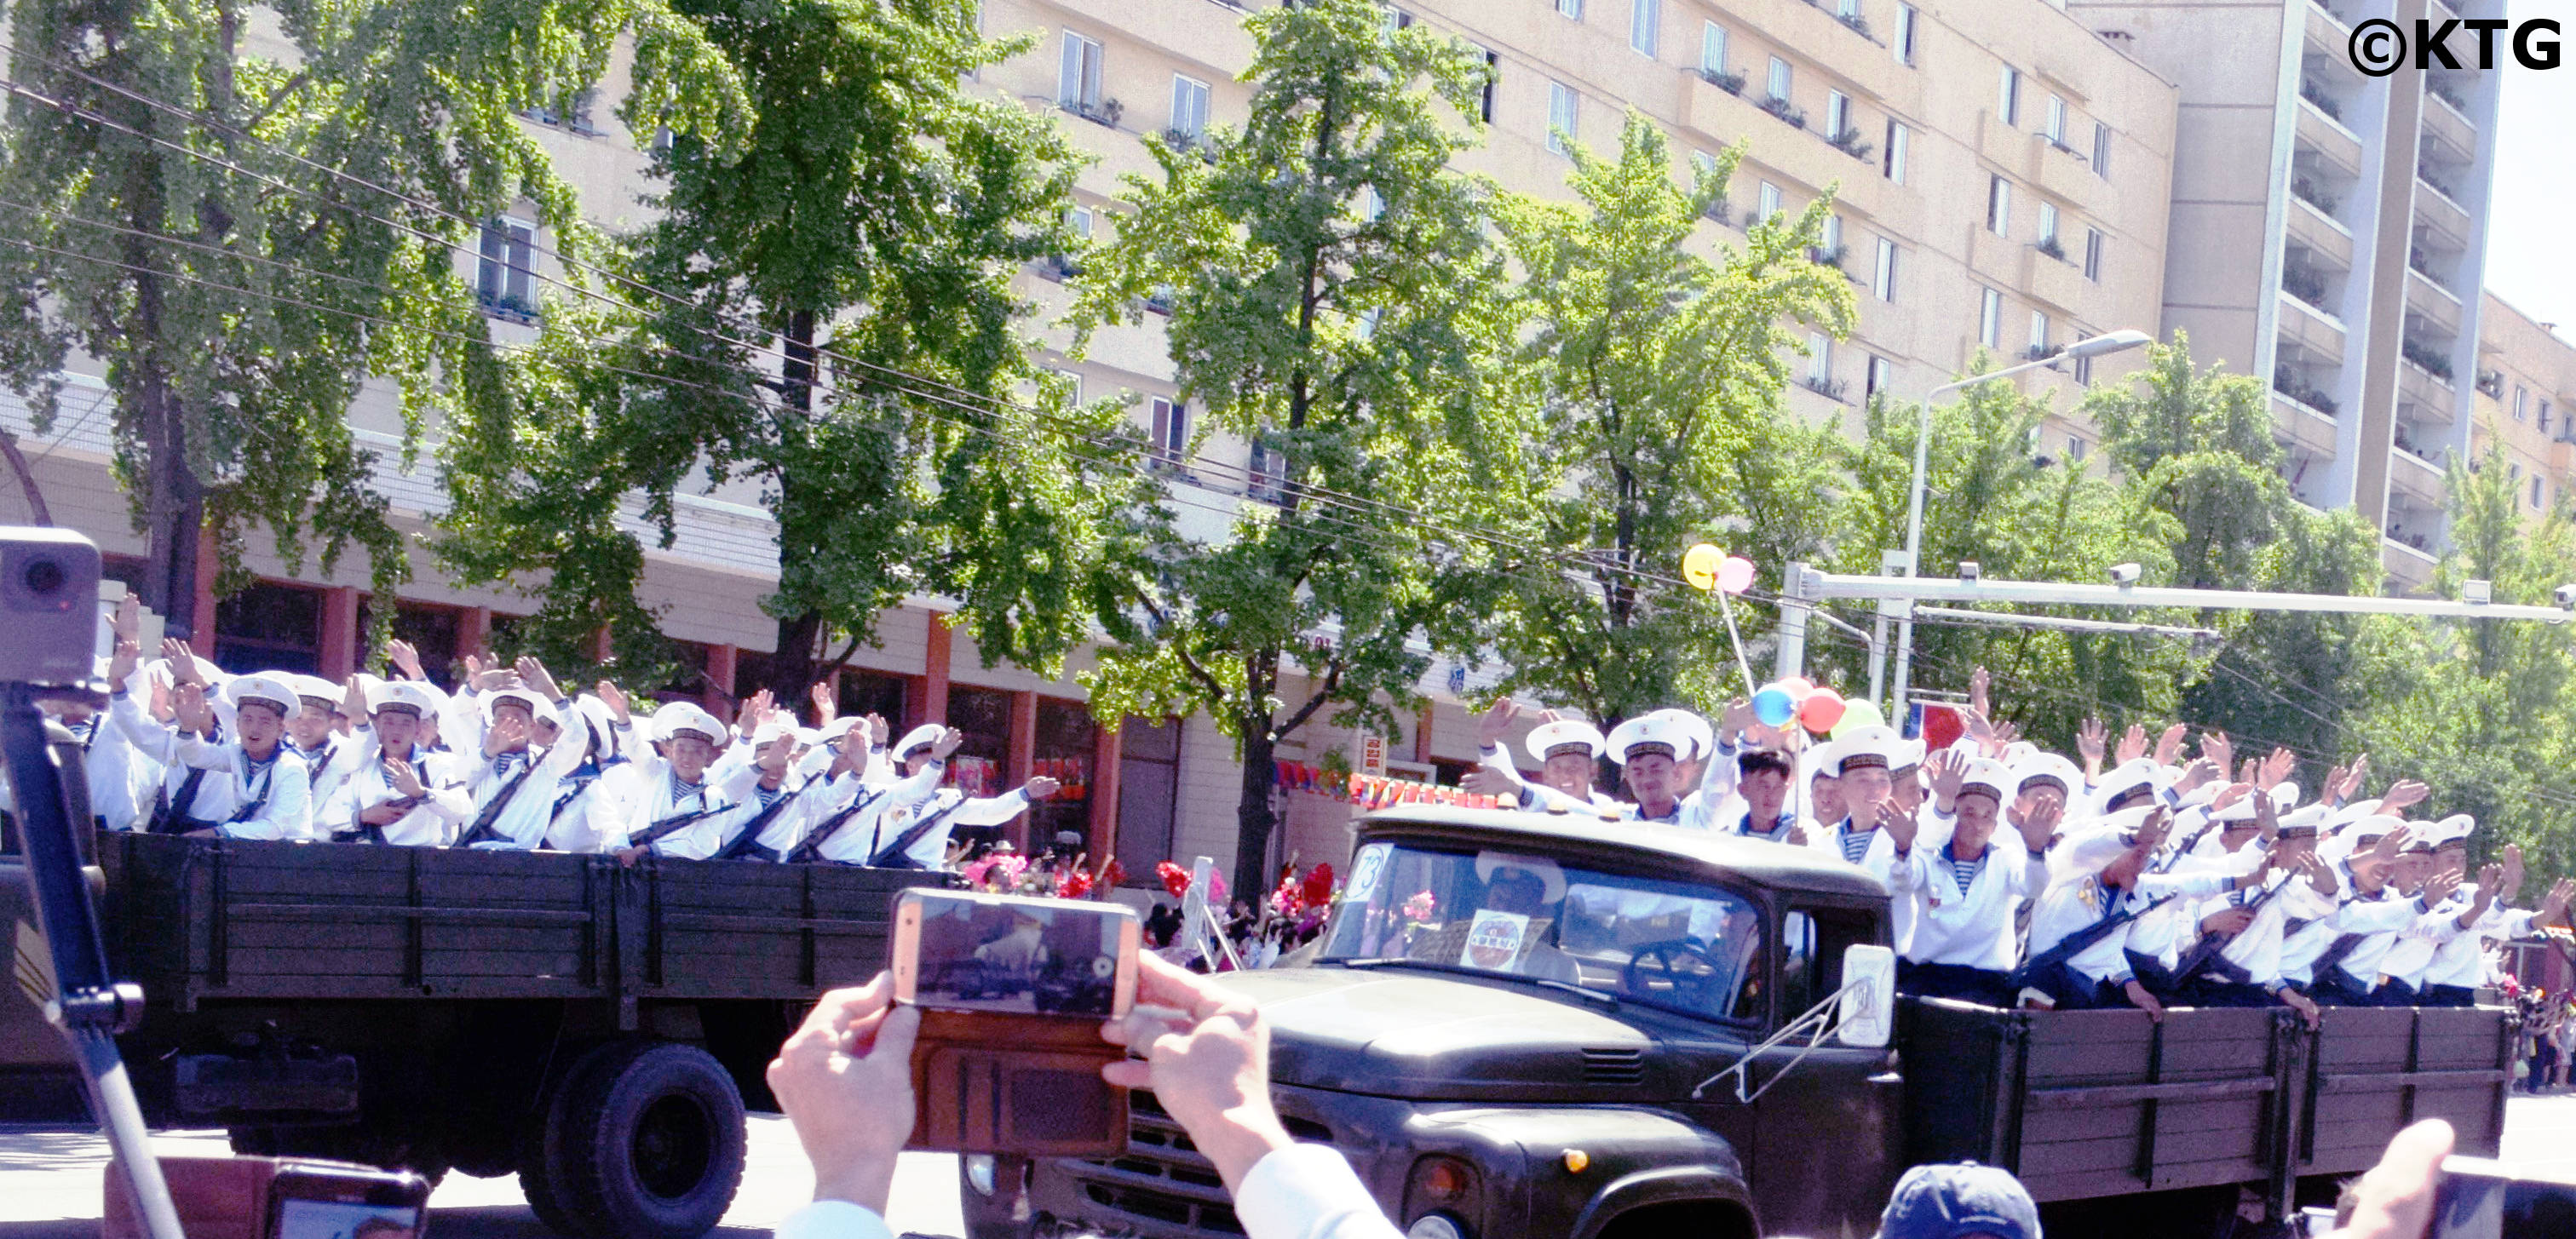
{"x":2526,"y":383}
{"x":2347,"y":265}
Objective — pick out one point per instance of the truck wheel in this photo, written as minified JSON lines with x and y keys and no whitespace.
{"x":647,"y":1143}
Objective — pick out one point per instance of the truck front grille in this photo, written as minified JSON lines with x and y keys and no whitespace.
{"x":1162,"y":1181}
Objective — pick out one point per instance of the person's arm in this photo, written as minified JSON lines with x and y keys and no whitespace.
{"x":444,"y":794}
{"x":992,"y":810}
{"x":338,"y":811}
{"x":288,"y":814}
{"x":143,"y":732}
{"x":572,"y":740}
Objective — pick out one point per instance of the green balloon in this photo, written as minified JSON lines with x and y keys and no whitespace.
{"x":1857,"y":713}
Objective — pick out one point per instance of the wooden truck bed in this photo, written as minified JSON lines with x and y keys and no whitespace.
{"x":2086,"y":1104}
{"x":201,"y":919}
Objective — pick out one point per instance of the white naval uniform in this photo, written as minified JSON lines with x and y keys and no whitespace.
{"x":865,"y":800}
{"x":2076,"y":904}
{"x":1974,"y":929}
{"x":122,"y":780}
{"x":246,"y":799}
{"x":1875,"y":852}
{"x":523,"y":823}
{"x":329,"y":765}
{"x":444,"y":807}
{"x":2376,"y":918}
{"x":1539,"y":797}
{"x":2462,"y":960}
{"x":585,"y":815}
{"x":930,"y":851}
{"x":652,"y":792}
{"x":2410,"y":960}
{"x":2284,"y":896}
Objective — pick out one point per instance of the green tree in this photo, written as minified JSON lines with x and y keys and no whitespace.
{"x":1988,"y":499}
{"x":242,"y":226}
{"x":1332,"y":297}
{"x":1656,"y":374}
{"x":869,"y":219}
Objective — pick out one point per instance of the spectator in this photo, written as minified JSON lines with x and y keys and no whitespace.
{"x":1961,"y":1201}
{"x":845,"y":1081}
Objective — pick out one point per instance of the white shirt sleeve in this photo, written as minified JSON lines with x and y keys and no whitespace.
{"x":1307,"y":1191}
{"x":991,"y":810}
{"x":834,"y":1219}
{"x":289,"y":811}
{"x":145,"y":733}
{"x":572,"y":740}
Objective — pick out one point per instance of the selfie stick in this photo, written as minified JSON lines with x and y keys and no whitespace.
{"x":89,"y":1006}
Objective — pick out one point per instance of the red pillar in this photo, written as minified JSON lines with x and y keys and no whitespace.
{"x":339,"y":633}
{"x":718,"y":697}
{"x":934,"y":671}
{"x":1422,"y":733}
{"x":474,"y":631}
{"x":1103,"y":803}
{"x":202,"y":639}
{"x":1023,"y":756}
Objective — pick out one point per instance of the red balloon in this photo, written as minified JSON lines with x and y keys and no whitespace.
{"x":1821,"y":710}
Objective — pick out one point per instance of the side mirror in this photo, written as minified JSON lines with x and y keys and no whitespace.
{"x":1868,"y":1016}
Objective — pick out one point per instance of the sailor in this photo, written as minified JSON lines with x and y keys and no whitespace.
{"x":1964,"y":891}
{"x":1762,"y":779}
{"x":1859,"y":766}
{"x":315,"y":733}
{"x":2043,"y":785}
{"x":2101,"y":881}
{"x":913,"y":834}
{"x":400,"y":793}
{"x":775,"y":797}
{"x":673,"y":807}
{"x":2474,"y":913}
{"x":847,"y":827}
{"x":1650,"y":749}
{"x":2242,"y":967}
{"x":1706,"y":783}
{"x":2335,"y":959}
{"x":586,"y":814}
{"x":516,"y":785}
{"x":237,"y":788}
{"x":1568,"y":751}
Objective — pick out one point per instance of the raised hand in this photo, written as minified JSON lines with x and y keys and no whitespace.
{"x":1494,"y":722}
{"x":2276,"y":768}
{"x":162,"y":710}
{"x":2402,"y":794}
{"x":2089,"y":736}
{"x":1979,"y":701}
{"x":182,"y":660}
{"x":353,"y":701}
{"x":406,"y":780}
{"x":2151,"y":832}
{"x":507,"y":734}
{"x":2321,"y":876}
{"x":404,"y":658}
{"x":2360,"y":774}
{"x":1040,"y":788}
{"x":2229,"y":920}
{"x":128,"y":623}
{"x":2215,"y":746}
{"x":1738,"y":719}
{"x":2267,"y":815}
{"x":1898,"y":821}
{"x":2332,"y":792}
{"x":2040,"y":825}
{"x":1949,"y":769}
{"x":2133,"y":743}
{"x":493,"y":677}
{"x":949,"y":739}
{"x":879,"y":731}
{"x":2169,"y":745}
{"x":2002,"y":738}
{"x":2511,"y":884}
{"x":2439,"y":887}
{"x":611,"y":696}
{"x":188,"y":701}
{"x":2553,"y":906}
{"x":538,"y":679}
{"x":1487,"y":781}
{"x":826,"y":707}
{"x":2228,"y":796}
{"x":120,"y":665}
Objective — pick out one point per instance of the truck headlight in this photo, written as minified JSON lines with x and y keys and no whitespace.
{"x":1434,"y":1226}
{"x":979,"y":1173}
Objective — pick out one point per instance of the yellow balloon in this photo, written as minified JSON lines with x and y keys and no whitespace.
{"x":1699,"y":565}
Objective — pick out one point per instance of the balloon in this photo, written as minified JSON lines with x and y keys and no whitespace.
{"x":1856,"y":715}
{"x":1735,"y":575}
{"x":1774,"y":706}
{"x":1797,"y":686}
{"x":1702,"y":564}
{"x":1820,"y":710}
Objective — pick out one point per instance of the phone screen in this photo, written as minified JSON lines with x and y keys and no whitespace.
{"x":2479,"y":1200}
{"x":337,"y":1219}
{"x":1018,"y":956}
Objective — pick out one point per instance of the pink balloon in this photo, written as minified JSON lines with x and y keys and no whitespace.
{"x":1821,"y":710}
{"x":1798,"y":686}
{"x":1735,"y":575}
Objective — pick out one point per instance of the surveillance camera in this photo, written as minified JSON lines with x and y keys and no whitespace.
{"x":2477,"y":592}
{"x":2125,"y":574}
{"x":1969,"y":570}
{"x":2567,"y":596}
{"x":49,"y":592}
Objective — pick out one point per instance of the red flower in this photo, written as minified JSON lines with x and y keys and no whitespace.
{"x":1176,"y":880}
{"x":1319,"y":885}
{"x":1075,"y":884}
{"x":1115,"y":874}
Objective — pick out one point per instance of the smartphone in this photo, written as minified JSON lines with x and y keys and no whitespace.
{"x":1014,"y":954}
{"x":308,"y":1201}
{"x":2478,"y":1200}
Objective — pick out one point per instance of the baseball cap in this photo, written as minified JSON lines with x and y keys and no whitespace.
{"x":1949,"y":1201}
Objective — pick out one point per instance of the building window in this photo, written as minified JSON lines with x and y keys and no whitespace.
{"x":1779,"y":81}
{"x":1189,"y":107}
{"x":2083,"y":370}
{"x":2055,"y":123}
{"x":1645,"y":26}
{"x":2544,"y":417}
{"x":502,"y":277}
{"x":1820,"y":359}
{"x":1903,"y":43}
{"x":1077,"y":83}
{"x":1372,"y":204}
{"x":1171,"y":432}
{"x":1882,"y":282}
{"x":2101,"y":150}
{"x":1072,"y":385}
{"x":1396,"y":19}
{"x":1837,"y":114}
{"x":1267,"y":467}
{"x":2521,"y":402}
{"x":1768,"y":198}
{"x":2047,"y":223}
{"x":1712,"y":48}
{"x":1493,"y":78}
{"x":1990,"y":317}
{"x":1877,"y":377}
{"x":2535,"y":491}
{"x":1897,"y":136}
{"x":1833,"y":234}
{"x":269,"y":628}
{"x":1562,"y":106}
{"x":2038,"y":333}
{"x":2093,"y":254}
{"x":1570,"y":9}
{"x":980,"y":764}
{"x":2008,"y":107}
{"x":1063,"y":749}
{"x":1149,"y":795}
{"x":1999,"y":206}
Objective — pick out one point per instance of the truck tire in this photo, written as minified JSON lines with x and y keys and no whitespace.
{"x":541,"y":1148}
{"x":646,"y":1142}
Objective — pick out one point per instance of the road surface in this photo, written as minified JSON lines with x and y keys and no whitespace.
{"x":50,"y":1182}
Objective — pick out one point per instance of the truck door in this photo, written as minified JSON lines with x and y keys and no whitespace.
{"x":1826,"y":1137}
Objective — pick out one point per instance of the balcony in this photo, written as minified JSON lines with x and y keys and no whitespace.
{"x":2067,"y":173}
{"x":2416,"y":384}
{"x":2436,"y":212}
{"x":2016,"y":151}
{"x":2434,"y":303}
{"x":2061,"y":284}
{"x":2410,"y":571}
{"x":2328,"y":33}
{"x":2335,"y":146}
{"x":2302,"y":425}
{"x":2329,"y":240}
{"x":2316,"y":332}
{"x":2449,"y":129}
{"x":2415,"y":477}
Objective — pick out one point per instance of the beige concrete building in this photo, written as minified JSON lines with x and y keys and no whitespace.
{"x":2330,"y":232}
{"x":2526,"y":389}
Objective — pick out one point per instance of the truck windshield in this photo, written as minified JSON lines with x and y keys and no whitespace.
{"x":1691,"y":949}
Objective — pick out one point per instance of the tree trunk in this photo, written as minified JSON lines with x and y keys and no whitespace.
{"x":1254,"y":817}
{"x":174,"y":500}
{"x":37,"y":513}
{"x":791,"y":669}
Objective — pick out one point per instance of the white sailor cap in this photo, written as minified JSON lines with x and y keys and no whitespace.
{"x":1905,"y":755}
{"x":268,"y":690}
{"x":921,"y":737}
{"x":2360,"y":834}
{"x":2419,"y":837}
{"x":2352,"y":815}
{"x":539,"y":709}
{"x":2452,"y":830}
{"x":603,"y":723}
{"x":841,"y":726}
{"x":1646,"y":735}
{"x":1992,"y":777}
{"x":316,"y":689}
{"x":1862,"y":748}
{"x":2096,"y":844}
{"x":2304,"y":820}
{"x":404,"y":697}
{"x":2047,"y":768}
{"x":1565,"y":735}
{"x":207,"y":672}
{"x":683,"y":719}
{"x":2019,"y":751}
{"x":1693,"y":731}
{"x":776,"y":729}
{"x":2135,"y":774}
{"x":2284,"y":797}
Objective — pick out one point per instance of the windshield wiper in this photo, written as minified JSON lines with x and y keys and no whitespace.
{"x":1608,"y":1000}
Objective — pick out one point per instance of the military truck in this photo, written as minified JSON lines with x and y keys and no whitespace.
{"x":594,"y":1028}
{"x":1619,"y":1053}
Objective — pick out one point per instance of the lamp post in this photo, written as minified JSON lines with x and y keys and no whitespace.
{"x":2101,"y":345}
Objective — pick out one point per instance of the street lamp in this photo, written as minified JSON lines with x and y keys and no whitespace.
{"x":2098,"y":346}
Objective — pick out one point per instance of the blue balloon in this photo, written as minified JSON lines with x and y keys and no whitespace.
{"x":1774,"y":706}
